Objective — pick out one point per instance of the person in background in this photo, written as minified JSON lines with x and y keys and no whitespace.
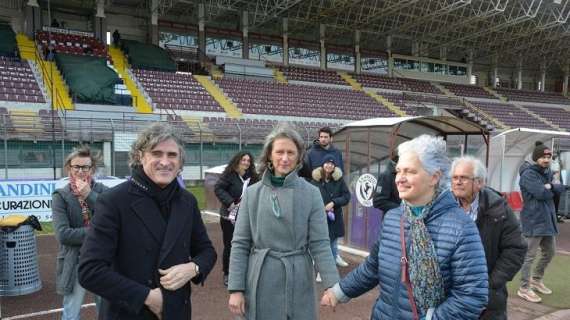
{"x":116,"y":38}
{"x":281,"y":227}
{"x":72,"y":210}
{"x":538,"y":221}
{"x":148,"y":240}
{"x":498,"y":227}
{"x":428,"y":261}
{"x":386,"y":196}
{"x":237,"y":176}
{"x":321,"y":147}
{"x":328,"y":178}
{"x":54,"y":23}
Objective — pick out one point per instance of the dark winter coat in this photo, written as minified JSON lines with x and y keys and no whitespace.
{"x":461,"y":262}
{"x":70,"y":233}
{"x":386,"y":196}
{"x":538,"y":216}
{"x":334,"y":190}
{"x":314,"y":159}
{"x":228,"y":190}
{"x":504,"y":248}
{"x":129,"y":241}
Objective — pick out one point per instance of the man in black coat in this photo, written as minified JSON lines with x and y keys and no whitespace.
{"x":498,"y":227}
{"x":386,"y":196}
{"x":147,"y":240}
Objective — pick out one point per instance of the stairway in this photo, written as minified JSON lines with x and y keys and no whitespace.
{"x":385,"y":102}
{"x":215,"y":71}
{"x":443,"y":89}
{"x":538,"y":117}
{"x":26,"y":121}
{"x":196,"y":125}
{"x":494,"y":93}
{"x":121,"y":65}
{"x":279,"y":76}
{"x":350,"y":80}
{"x":52,"y":79}
{"x":230,"y":108}
{"x":496,"y":122}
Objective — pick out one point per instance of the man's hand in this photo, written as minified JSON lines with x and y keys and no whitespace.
{"x":237,"y":303}
{"x":154,"y":302}
{"x":177,"y":276}
{"x":83,"y":187}
{"x":329,"y":299}
{"x":329,"y":206}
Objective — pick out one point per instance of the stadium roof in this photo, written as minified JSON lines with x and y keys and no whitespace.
{"x":536,"y":30}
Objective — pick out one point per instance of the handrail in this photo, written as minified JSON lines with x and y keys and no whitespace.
{"x":53,"y":91}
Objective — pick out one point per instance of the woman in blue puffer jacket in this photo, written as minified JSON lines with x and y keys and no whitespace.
{"x":444,"y":272}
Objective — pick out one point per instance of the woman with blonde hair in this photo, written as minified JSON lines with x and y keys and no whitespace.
{"x":72,"y":212}
{"x":280,"y":229}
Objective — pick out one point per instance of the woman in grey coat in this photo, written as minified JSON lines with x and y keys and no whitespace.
{"x":281,"y":228}
{"x":72,"y":211}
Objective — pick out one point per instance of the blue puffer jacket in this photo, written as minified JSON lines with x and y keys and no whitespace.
{"x":538,"y":216}
{"x":461,"y":261}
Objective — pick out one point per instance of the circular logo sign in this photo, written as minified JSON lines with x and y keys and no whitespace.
{"x":364,"y":189}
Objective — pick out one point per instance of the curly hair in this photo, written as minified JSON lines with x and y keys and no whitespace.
{"x":234,"y":163}
{"x":148,"y":139}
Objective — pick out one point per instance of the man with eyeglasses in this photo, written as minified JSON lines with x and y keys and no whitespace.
{"x":498,"y":227}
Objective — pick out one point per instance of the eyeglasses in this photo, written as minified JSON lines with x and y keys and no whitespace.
{"x":462,"y":179}
{"x":81,"y":168}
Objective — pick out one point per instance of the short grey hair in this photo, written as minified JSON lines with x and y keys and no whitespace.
{"x":148,"y":139}
{"x":432,"y":153}
{"x":282,"y":130}
{"x":479,"y":170}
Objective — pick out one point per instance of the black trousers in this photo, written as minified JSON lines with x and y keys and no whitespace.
{"x":227,"y":235}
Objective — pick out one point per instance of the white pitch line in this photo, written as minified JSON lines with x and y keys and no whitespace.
{"x":43,"y":313}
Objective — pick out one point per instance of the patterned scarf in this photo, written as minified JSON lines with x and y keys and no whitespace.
{"x":425,"y":276}
{"x":85,"y":211}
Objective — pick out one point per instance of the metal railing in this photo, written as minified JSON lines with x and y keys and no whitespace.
{"x":41,"y":142}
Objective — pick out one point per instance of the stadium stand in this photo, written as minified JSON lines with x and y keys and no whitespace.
{"x":169,"y":90}
{"x":463,"y":90}
{"x":17,"y":82}
{"x":295,"y":73}
{"x":71,"y":44}
{"x":272,"y":98}
{"x":533,"y":96}
{"x":147,"y":56}
{"x":557,"y":116}
{"x":511,"y":115}
{"x":419,"y":86}
{"x":380,"y":82}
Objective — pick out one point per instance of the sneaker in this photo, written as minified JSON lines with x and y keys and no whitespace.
{"x":318,"y":279}
{"x":528,"y":295}
{"x":340,"y":262}
{"x":540,"y":287}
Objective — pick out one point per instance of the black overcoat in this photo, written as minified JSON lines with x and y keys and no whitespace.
{"x":129,"y":241}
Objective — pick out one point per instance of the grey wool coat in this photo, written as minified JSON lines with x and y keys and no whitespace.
{"x":272,"y":256}
{"x":70,"y":232}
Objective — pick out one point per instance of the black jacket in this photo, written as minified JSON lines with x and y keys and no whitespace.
{"x":228,"y":190}
{"x":129,"y":241}
{"x":504,"y":248}
{"x":386,"y":196}
{"x":334,"y":190}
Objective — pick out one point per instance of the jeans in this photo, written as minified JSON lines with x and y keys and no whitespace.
{"x":334,"y":247}
{"x":547,"y":245}
{"x":72,"y":303}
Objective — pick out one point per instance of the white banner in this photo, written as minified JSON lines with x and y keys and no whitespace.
{"x":27,"y":197}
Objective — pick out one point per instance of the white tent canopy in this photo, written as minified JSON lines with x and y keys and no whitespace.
{"x":509,"y":150}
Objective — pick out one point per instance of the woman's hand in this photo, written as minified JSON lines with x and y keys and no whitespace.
{"x":237,"y":303}
{"x":329,"y":206}
{"x":83,"y":187}
{"x":329,"y":299}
